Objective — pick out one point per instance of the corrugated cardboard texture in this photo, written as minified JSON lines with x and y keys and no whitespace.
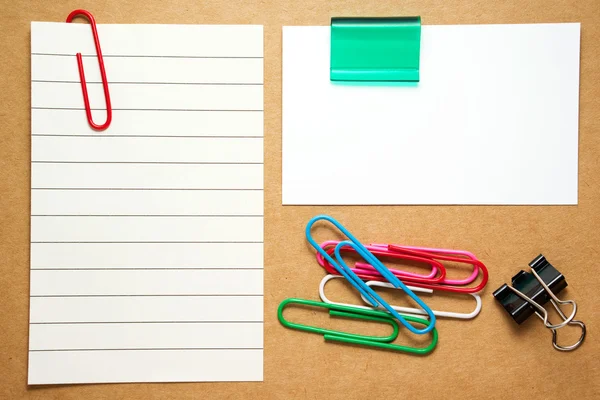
{"x":489,"y":357}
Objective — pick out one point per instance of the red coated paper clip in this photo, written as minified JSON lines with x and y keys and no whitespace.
{"x":456,"y":256}
{"x":86,"y":98}
{"x":431,"y":256}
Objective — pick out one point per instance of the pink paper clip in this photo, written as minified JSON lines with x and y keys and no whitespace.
{"x":367,"y":272}
{"x":431,"y":256}
{"x":457,"y":256}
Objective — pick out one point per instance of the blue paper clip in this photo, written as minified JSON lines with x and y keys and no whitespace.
{"x":365,"y":290}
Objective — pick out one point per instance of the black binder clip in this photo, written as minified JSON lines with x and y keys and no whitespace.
{"x":530,"y":291}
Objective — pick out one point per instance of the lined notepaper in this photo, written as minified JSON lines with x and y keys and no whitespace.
{"x":147,"y":238}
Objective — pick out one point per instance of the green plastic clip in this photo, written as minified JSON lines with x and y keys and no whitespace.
{"x":375,"y":49}
{"x":336,"y":310}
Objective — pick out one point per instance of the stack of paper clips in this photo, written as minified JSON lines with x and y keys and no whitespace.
{"x":364,"y":276}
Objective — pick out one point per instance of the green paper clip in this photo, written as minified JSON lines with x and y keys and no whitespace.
{"x":336,"y":310}
{"x":375,"y":49}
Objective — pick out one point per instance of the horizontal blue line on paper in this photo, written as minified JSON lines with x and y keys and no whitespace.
{"x":140,"y":295}
{"x":147,"y":215}
{"x":149,"y":269}
{"x":148,"y":162}
{"x":144,"y":109}
{"x":154,"y":83}
{"x":156,"y":242}
{"x":147,"y":322}
{"x":159,"y":349}
{"x":95,"y":134}
{"x":144,"y":56}
{"x":108,"y":189}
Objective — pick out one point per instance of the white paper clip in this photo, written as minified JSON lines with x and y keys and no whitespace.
{"x":402,"y":310}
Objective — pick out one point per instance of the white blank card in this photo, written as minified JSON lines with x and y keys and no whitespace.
{"x":147,"y":238}
{"x":494,"y":120}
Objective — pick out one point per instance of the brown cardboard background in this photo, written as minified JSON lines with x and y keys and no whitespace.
{"x":488,"y":357}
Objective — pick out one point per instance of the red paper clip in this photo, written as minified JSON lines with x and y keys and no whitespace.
{"x":86,"y":98}
{"x":457,"y":256}
{"x":421,"y":254}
